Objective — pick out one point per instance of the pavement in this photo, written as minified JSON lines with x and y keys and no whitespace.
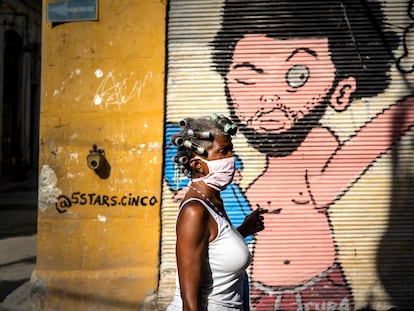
{"x":18,"y":226}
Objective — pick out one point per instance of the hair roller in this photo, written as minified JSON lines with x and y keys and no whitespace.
{"x":230,"y":129}
{"x":200,"y":135}
{"x":196,"y":148}
{"x":180,"y":159}
{"x":224,"y":124}
{"x":185,"y":171}
{"x":219,"y":120}
{"x":204,"y":135}
{"x":185,"y":122}
{"x":177,"y":141}
{"x":215,"y":117}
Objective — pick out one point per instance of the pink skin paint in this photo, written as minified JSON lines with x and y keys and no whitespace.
{"x":274,"y":83}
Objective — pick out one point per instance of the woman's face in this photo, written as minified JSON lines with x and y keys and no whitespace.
{"x":218,"y":167}
{"x":273,"y":83}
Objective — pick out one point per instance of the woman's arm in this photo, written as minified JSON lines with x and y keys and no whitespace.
{"x":191,"y":249}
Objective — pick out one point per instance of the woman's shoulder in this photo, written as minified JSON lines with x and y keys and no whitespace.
{"x":194,"y":222}
{"x":193,"y":208}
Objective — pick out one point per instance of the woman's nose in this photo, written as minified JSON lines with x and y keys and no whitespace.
{"x":269,"y":99}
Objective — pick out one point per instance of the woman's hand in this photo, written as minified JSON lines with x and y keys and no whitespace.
{"x":252,"y":223}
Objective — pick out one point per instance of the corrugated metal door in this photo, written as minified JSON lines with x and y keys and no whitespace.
{"x":322,"y":92}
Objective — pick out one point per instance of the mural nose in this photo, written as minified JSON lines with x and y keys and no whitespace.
{"x":269,"y":99}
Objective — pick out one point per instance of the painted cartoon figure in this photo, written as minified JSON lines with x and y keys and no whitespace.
{"x":284,"y":63}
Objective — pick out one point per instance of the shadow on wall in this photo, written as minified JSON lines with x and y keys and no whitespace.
{"x":395,"y":256}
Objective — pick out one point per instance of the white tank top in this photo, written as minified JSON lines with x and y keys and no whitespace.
{"x":228,"y":258}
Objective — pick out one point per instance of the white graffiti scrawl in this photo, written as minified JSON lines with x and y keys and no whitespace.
{"x":116,"y":92}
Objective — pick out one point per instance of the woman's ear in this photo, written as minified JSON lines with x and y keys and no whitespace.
{"x":196,"y":165}
{"x":341,"y":96}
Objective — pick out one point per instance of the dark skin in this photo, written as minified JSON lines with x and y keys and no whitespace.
{"x":196,"y":228}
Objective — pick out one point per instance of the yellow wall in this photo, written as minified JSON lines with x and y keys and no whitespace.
{"x":103,"y":84}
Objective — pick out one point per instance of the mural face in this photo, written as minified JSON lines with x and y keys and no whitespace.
{"x":275,"y":84}
{"x":285,"y":66}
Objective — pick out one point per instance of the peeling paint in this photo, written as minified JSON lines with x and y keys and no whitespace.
{"x":101,"y":218}
{"x":98,"y":73}
{"x":97,"y":100}
{"x":154,"y":146}
{"x":70,"y":175}
{"x":74,"y":156}
{"x":48,"y":192}
{"x":124,"y":181}
{"x":154,"y":160}
{"x":72,"y":137}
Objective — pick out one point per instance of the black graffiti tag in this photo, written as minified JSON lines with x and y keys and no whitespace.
{"x":80,"y":198}
{"x":62,"y":204}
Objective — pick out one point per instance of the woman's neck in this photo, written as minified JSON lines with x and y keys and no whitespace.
{"x":209,"y":195}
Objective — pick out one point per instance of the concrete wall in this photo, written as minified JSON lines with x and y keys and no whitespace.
{"x":98,"y":230}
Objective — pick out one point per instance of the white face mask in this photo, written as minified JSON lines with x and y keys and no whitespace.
{"x":220,"y":173}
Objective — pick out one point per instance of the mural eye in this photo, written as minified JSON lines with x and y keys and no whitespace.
{"x":297,"y":76}
{"x":244,"y":81}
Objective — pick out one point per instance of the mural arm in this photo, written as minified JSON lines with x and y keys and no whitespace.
{"x":356,"y":155}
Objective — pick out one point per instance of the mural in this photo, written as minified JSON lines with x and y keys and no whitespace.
{"x":290,"y":71}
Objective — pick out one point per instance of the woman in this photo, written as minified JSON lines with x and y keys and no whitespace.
{"x":211,"y":254}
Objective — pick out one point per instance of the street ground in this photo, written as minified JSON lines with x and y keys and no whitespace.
{"x":18,"y":223}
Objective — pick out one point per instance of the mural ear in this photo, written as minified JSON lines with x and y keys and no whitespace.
{"x":341,"y":97}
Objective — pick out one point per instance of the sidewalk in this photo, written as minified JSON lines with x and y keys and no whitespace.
{"x":17,"y":262}
{"x":18,"y":223}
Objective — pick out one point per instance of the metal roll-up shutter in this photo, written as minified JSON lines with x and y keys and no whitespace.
{"x":344,"y":236}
